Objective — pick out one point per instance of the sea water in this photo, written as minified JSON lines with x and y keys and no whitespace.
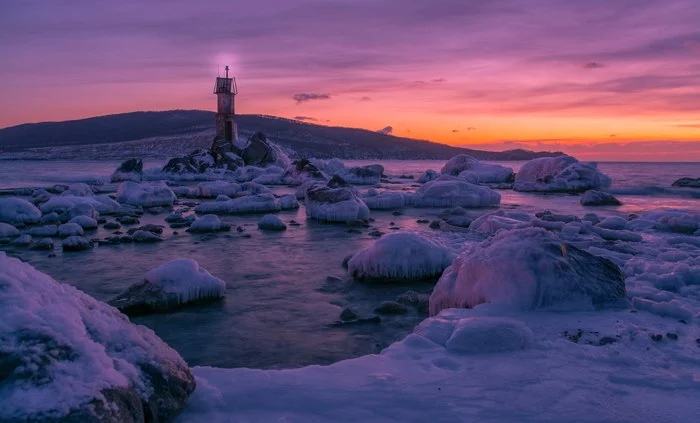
{"x":285,"y":290}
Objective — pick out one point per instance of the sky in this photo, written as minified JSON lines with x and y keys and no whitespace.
{"x":600,"y":79}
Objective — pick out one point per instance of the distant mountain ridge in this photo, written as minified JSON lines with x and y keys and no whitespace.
{"x":306,"y":139}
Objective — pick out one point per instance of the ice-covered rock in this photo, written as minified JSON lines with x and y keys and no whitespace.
{"x":363,"y":175}
{"x":199,"y":161}
{"x":527,"y":269}
{"x":102,"y":204}
{"x":261,"y":203}
{"x":76,"y":243}
{"x":67,"y":357}
{"x":145,"y":195}
{"x":400,"y":256}
{"x":302,"y":171}
{"x":8,"y":232}
{"x":674,"y":221}
{"x":45,"y":230}
{"x":613,"y":222}
{"x":428,"y":176}
{"x":15,"y":210}
{"x":208,"y":223}
{"x":171,"y":285}
{"x":386,"y":200}
{"x":687,"y":183}
{"x":490,"y":224}
{"x":215,"y":188}
{"x":475,"y":171}
{"x":79,"y":189}
{"x":50,"y":219}
{"x":335,"y":205}
{"x":70,"y":229}
{"x":289,"y":202}
{"x":448,"y":191}
{"x":24,"y":240}
{"x":259,"y":151}
{"x":559,"y":174}
{"x":599,"y":198}
{"x":42,"y":244}
{"x":271,"y":222}
{"x":85,"y":222}
{"x":144,"y":236}
{"x":391,"y":307}
{"x":489,"y":335}
{"x":129,"y":170}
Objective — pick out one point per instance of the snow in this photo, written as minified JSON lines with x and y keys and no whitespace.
{"x":428,"y":176}
{"x":527,"y":268}
{"x":335,"y":205}
{"x":386,"y":200}
{"x":61,"y":347}
{"x":401,"y":255}
{"x":70,"y":229}
{"x":261,"y":203}
{"x":185,"y":279}
{"x":452,"y":192}
{"x":8,"y":231}
{"x":475,"y":171}
{"x":271,"y":222}
{"x":207,"y":223}
{"x":248,"y":173}
{"x":216,"y":188}
{"x":145,"y":195}
{"x":85,"y":222}
{"x":560,"y":173}
{"x":15,"y":210}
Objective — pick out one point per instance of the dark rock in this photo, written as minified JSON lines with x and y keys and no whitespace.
{"x":672,"y":336}
{"x":128,"y":220}
{"x":76,"y":243}
{"x":199,"y":161}
{"x":346,"y":260}
{"x":657,"y":337}
{"x":376,"y":234}
{"x":391,"y":307}
{"x":260,"y":152}
{"x":435,"y":224}
{"x":687,"y":183}
{"x":371,"y":320}
{"x":130,"y":170}
{"x":599,"y":198}
{"x":423,"y":221}
{"x":347,"y":314}
{"x":337,"y":182}
{"x":354,"y":231}
{"x":415,"y":299}
{"x":112,"y":225}
{"x":42,"y":244}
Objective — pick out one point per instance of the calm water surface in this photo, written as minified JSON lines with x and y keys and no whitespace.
{"x":279,"y":306}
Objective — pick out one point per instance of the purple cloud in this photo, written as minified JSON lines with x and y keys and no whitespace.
{"x":304,"y":97}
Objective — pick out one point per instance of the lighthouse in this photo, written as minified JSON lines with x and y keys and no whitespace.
{"x":226,"y":131}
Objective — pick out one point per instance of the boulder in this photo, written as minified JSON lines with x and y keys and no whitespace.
{"x":42,"y":244}
{"x":526,"y":269}
{"x":270,"y":222}
{"x":559,"y":174}
{"x":129,"y":170}
{"x":208,"y":223}
{"x":199,"y":161}
{"x":8,"y":232}
{"x":169,"y":286}
{"x":259,"y":151}
{"x":70,"y":229}
{"x":335,"y":205}
{"x":448,"y":191}
{"x":687,"y":183}
{"x":145,"y":195}
{"x":15,"y":210}
{"x":67,"y":357}
{"x":76,"y":243}
{"x":599,"y":198}
{"x":363,"y":175}
{"x":428,"y":176}
{"x":391,"y":307}
{"x":477,"y":172}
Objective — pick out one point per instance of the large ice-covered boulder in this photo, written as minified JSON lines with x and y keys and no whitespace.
{"x":129,"y":170}
{"x":428,"y":176}
{"x":559,"y":174}
{"x":213,"y":189}
{"x":201,"y":161}
{"x":400,"y":256}
{"x":259,"y":151}
{"x":8,"y":232}
{"x":302,"y":171}
{"x":335,"y":205}
{"x":447,"y":191}
{"x":15,"y":210}
{"x":477,"y":172}
{"x":599,"y":198}
{"x":208,"y":223}
{"x":171,"y":285}
{"x":260,"y":203}
{"x":145,"y":195}
{"x":527,"y":269}
{"x":73,"y":205}
{"x":363,"y":175}
{"x":67,"y":357}
{"x":385,"y":200}
{"x":271,"y":222}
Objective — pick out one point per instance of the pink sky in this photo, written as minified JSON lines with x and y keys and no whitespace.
{"x":604,"y":80}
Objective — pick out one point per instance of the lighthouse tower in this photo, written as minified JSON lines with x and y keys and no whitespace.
{"x":226,"y":131}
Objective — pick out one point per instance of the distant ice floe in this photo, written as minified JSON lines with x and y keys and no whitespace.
{"x":559,"y":174}
{"x":15,"y":210}
{"x":145,"y":195}
{"x":168,"y":286}
{"x":448,"y":191}
{"x":401,"y":256}
{"x":527,"y":269}
{"x":335,"y":205}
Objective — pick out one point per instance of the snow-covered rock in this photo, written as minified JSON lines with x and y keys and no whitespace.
{"x":76,"y":243}
{"x":85,"y":222}
{"x":42,"y":244}
{"x":448,"y":191}
{"x":386,"y":200}
{"x":200,"y":162}
{"x":491,"y":223}
{"x":145,"y":195}
{"x":259,"y":151}
{"x":129,"y":170}
{"x":302,"y":171}
{"x":362,"y":175}
{"x":215,"y":188}
{"x":271,"y":222}
{"x":45,"y":230}
{"x":171,"y":285}
{"x":261,"y":203}
{"x":335,"y":205}
{"x":288,"y":202}
{"x":70,"y":229}
{"x":24,"y":240}
{"x":475,"y":171}
{"x":144,"y":236}
{"x":67,"y":357}
{"x":489,"y":335}
{"x":208,"y":223}
{"x":428,"y":176}
{"x":103,"y":204}
{"x":673,"y":221}
{"x":599,"y":198}
{"x":79,"y":189}
{"x":527,"y":269}
{"x":613,"y":222}
{"x":8,"y":232}
{"x":15,"y":210}
{"x":400,"y":256}
{"x":559,"y":174}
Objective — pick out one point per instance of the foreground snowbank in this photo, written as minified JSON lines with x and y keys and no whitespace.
{"x":66,"y":356}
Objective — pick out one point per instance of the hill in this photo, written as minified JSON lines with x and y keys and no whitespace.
{"x":159,"y":133}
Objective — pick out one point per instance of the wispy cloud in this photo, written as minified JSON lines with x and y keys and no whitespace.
{"x":593,"y":65}
{"x":304,"y":97}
